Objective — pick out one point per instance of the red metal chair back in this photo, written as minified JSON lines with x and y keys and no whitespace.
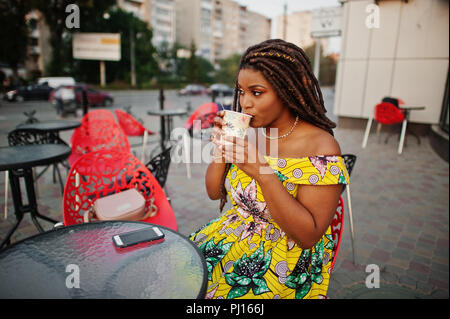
{"x":95,"y":116}
{"x":199,"y":113}
{"x":387,"y":113}
{"x":337,"y":225}
{"x":98,"y":115}
{"x":95,"y":135}
{"x":130,"y":125}
{"x":101,"y":173}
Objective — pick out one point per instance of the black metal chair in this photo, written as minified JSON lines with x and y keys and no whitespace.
{"x":159,"y":166}
{"x":350,"y":160}
{"x":29,"y":137}
{"x":30,"y":117}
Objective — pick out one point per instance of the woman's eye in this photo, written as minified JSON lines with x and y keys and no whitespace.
{"x":257,"y":93}
{"x":240,"y":92}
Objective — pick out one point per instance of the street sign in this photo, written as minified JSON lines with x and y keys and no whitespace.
{"x":96,"y":46}
{"x":326,"y":22}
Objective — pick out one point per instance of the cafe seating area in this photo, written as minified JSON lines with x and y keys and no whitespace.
{"x":99,"y":164}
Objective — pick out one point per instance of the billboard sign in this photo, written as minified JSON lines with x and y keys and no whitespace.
{"x":326,"y":22}
{"x":96,"y":46}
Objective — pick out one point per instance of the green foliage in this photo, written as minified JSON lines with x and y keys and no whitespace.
{"x":177,"y":71}
{"x":228,"y":69}
{"x":127,"y":25}
{"x":55,"y":17}
{"x":192,"y":70}
{"x":327,"y":70}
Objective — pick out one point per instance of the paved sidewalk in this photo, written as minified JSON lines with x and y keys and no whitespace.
{"x":400,"y":209}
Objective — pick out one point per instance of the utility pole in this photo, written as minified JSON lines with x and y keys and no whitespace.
{"x":132,"y":59}
{"x":317,"y":58}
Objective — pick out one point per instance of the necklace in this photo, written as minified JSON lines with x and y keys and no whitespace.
{"x":282,"y":136}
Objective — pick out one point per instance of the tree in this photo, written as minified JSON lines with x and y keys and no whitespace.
{"x":327,"y":70}
{"x":192,"y":72}
{"x":13,"y":33}
{"x":168,"y":63}
{"x":119,"y":21}
{"x":228,"y":69}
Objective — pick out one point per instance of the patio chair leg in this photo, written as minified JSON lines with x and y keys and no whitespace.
{"x":144,"y":143}
{"x":366,"y":133}
{"x":6,"y":194}
{"x":36,"y":182}
{"x":402,"y":136}
{"x":378,"y":131}
{"x":61,"y":184}
{"x":350,"y":215}
{"x":187,"y":154}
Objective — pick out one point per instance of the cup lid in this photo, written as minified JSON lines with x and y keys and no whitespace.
{"x":228,"y":111}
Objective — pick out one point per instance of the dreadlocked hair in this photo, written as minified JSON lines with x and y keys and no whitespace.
{"x":288,"y":69}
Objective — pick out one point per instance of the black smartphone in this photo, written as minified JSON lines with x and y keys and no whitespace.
{"x":138,"y":236}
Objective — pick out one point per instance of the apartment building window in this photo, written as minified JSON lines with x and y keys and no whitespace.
{"x":163,"y":23}
{"x":162,"y":11}
{"x":32,"y":24}
{"x":34,"y":41}
{"x":162,"y":34}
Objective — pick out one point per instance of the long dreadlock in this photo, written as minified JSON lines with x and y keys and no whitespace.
{"x":288,"y":69}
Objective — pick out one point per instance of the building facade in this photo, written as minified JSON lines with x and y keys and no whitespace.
{"x":194,"y":24}
{"x":219,"y":28}
{"x":159,"y":14}
{"x":39,"y":49}
{"x":404,"y":55}
{"x":296,"y":28}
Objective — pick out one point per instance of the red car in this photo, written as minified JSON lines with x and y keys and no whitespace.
{"x":95,"y":97}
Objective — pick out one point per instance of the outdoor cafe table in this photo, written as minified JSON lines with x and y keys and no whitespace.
{"x":166,"y":122}
{"x":81,"y":261}
{"x":405,"y":130}
{"x":19,"y":161}
{"x":407,"y":111}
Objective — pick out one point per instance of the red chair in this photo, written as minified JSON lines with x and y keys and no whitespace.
{"x":100,"y":173}
{"x":203,"y":110}
{"x":337,"y":225}
{"x":95,"y":135}
{"x":93,"y":117}
{"x":388,"y":114}
{"x":133,"y":127}
{"x":98,"y":115}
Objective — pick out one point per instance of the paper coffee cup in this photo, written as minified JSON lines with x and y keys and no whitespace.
{"x":236,"y":124}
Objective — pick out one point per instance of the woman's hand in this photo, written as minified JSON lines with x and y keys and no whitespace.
{"x":216,"y":137}
{"x":244,"y":155}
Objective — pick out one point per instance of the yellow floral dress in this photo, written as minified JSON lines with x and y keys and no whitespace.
{"x":249,"y":256}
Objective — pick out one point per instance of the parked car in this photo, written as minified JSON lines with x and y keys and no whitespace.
{"x":220,"y":89}
{"x":29,"y":92}
{"x":57,"y":81}
{"x":95,"y":97}
{"x":192,"y":89}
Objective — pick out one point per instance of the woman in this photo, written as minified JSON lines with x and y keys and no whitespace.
{"x":275,"y":242}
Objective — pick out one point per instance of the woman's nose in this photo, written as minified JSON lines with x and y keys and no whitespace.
{"x":246,"y":101}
